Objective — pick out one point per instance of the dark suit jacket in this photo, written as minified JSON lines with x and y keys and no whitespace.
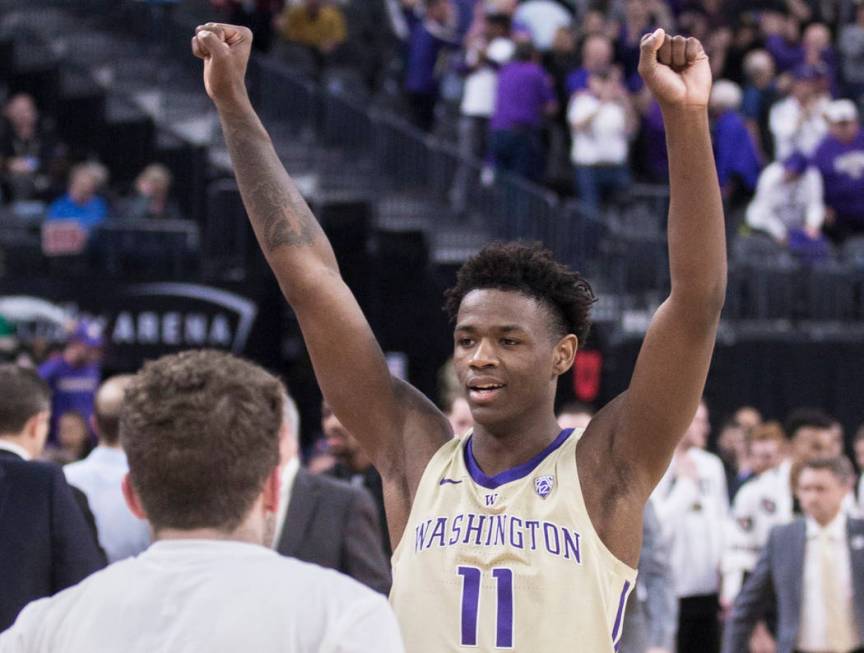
{"x":335,"y":525}
{"x":45,"y":545}
{"x":778,"y":580}
{"x":80,"y":499}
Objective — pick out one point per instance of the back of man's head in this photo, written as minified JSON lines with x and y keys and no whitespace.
{"x":201,"y":432}
{"x":22,"y":396}
{"x":106,"y":408}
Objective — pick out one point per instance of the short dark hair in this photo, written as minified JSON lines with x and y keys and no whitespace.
{"x":201,"y":432}
{"x":806,"y":418}
{"x":22,"y":395}
{"x":839,"y":466}
{"x":530,"y":270}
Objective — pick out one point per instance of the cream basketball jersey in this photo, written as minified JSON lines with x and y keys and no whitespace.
{"x":508,"y":562}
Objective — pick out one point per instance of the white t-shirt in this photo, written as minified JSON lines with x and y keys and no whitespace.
{"x":543,"y":19}
{"x":693,"y":517}
{"x":604,"y":140}
{"x":478,"y":97}
{"x":781,"y":205}
{"x":793,"y":130}
{"x":187,"y":596}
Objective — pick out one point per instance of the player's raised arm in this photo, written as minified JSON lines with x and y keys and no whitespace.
{"x":673,"y":363}
{"x":349,"y":364}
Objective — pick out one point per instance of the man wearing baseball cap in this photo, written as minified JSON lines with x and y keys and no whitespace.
{"x":840,"y":160}
{"x":74,"y":375}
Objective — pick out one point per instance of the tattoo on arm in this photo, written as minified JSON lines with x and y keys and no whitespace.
{"x":277,"y":210}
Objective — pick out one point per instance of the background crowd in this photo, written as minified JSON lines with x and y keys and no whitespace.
{"x":549,"y":90}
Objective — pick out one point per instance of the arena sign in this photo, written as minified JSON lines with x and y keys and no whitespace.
{"x":142,"y":321}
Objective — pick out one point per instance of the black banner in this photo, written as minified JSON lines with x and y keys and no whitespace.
{"x":142,"y":321}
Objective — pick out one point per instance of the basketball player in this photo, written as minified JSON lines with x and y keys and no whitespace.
{"x":522,"y":536}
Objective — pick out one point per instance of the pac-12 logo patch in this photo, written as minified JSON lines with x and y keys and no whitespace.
{"x":543,"y":485}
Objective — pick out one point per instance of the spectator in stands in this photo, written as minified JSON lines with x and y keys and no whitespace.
{"x":484,"y":57}
{"x":602,"y":122}
{"x":459,"y":415}
{"x":354,"y":466}
{"x":151,"y":197}
{"x":760,"y":92}
{"x":45,"y":543}
{"x":74,"y":375}
{"x":325,"y":521}
{"x":257,"y":15}
{"x":851,"y":46}
{"x":597,"y":57}
{"x":798,"y":122}
{"x":692,"y":504}
{"x":430,"y":33}
{"x":30,"y":156}
{"x":81,"y":202}
{"x":543,"y":19}
{"x":316,"y":24}
{"x":524,"y":97}
{"x":202,"y":433}
{"x":840,"y":160}
{"x":100,"y":475}
{"x":737,"y":160}
{"x":788,"y":206}
{"x":639,"y":18}
{"x":73,"y":439}
{"x":782,"y":35}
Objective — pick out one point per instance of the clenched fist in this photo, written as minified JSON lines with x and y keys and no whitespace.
{"x":676,"y":70}
{"x":225,"y":50}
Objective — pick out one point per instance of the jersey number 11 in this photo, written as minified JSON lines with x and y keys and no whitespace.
{"x":471,"y":577}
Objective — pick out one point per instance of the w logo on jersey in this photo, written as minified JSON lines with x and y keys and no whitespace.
{"x":544,"y":485}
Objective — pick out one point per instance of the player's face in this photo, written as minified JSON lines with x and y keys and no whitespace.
{"x":506,"y":355}
{"x":821,"y":494}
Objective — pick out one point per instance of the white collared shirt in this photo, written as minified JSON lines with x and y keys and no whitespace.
{"x":187,"y":596}
{"x":693,"y":516}
{"x":286,"y":485}
{"x":813,"y":633}
{"x":18,"y":450}
{"x":99,"y":476}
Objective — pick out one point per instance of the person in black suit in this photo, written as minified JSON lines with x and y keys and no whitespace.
{"x":26,"y":419}
{"x":45,"y":544}
{"x":325,"y":521}
{"x":354,"y":466}
{"x":811,"y":572}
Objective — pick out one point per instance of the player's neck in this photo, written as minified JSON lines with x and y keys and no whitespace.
{"x":498,"y":448}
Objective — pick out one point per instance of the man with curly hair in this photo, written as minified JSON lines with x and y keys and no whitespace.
{"x":520,"y":524}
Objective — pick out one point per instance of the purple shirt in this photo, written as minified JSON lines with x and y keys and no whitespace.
{"x":842,"y":169}
{"x":72,"y":388}
{"x":734,"y":151}
{"x":423,"y":49}
{"x":523,"y":93}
